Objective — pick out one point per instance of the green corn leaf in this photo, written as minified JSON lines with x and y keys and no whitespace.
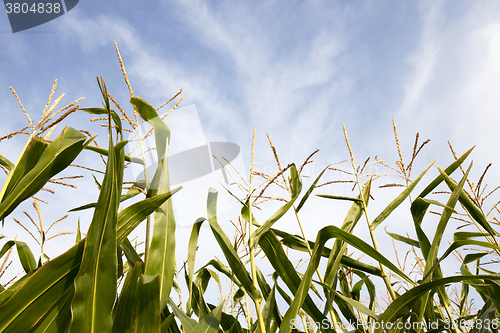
{"x":125,"y":311}
{"x":310,"y":190}
{"x":199,"y":288}
{"x":297,"y":243}
{"x":232,"y":257}
{"x":210,"y":323}
{"x":394,"y":310}
{"x":192,"y":247}
{"x":130,"y":253}
{"x":270,"y":310}
{"x":138,"y":308}
{"x":40,"y":291}
{"x":418,"y":209}
{"x":27,"y":160}
{"x":352,"y":302}
{"x":95,"y":284}
{"x":324,"y":235}
{"x":26,"y":257}
{"x":365,"y":280}
{"x":457,"y":244}
{"x":296,"y":183}
{"x":403,"y":239}
{"x":114,"y":115}
{"x":396,"y":202}
{"x":78,"y":232}
{"x":165,"y":325}
{"x":350,"y":221}
{"x":471,"y":208}
{"x":58,"y":317}
{"x":6,"y":247}
{"x":449,"y":170}
{"x":187,"y":323}
{"x":148,"y":304}
{"x":443,"y":221}
{"x":50,"y":160}
{"x":133,"y":215}
{"x":460,"y":235}
{"x":473,"y":257}
{"x":228,"y":323}
{"x":104,"y":152}
{"x":161,"y":260}
{"x":6,"y":163}
{"x":338,"y":197}
{"x":286,"y":271}
{"x":132,"y":192}
{"x":7,"y":293}
{"x":270,"y":222}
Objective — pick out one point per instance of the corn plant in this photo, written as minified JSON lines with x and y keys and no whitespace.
{"x":105,"y":284}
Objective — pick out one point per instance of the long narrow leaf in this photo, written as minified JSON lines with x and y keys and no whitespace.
{"x":133,"y":215}
{"x":161,"y":260}
{"x":273,"y":219}
{"x":232,"y":257}
{"x":62,"y":270}
{"x":210,"y":323}
{"x":396,"y":202}
{"x":95,"y":285}
{"x":54,"y":158}
{"x":324,"y":235}
{"x":394,"y":310}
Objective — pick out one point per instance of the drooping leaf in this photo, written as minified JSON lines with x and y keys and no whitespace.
{"x":27,"y":160}
{"x":6,"y":163}
{"x":471,"y":208}
{"x":40,"y":291}
{"x":273,"y":219}
{"x":232,"y":257}
{"x":48,"y":161}
{"x":396,"y":202}
{"x":104,"y":152}
{"x":26,"y":256}
{"x":404,"y":239}
{"x":133,"y":215}
{"x":105,"y":111}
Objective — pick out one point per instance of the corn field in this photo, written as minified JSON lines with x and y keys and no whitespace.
{"x":105,"y":284}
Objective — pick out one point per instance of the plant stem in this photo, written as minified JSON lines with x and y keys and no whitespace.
{"x":370,"y":228}
{"x":249,"y":321}
{"x":374,"y":241}
{"x":320,"y":276}
{"x":250,"y":242}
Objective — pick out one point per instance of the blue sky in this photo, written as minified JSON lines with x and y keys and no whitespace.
{"x":296,"y":70}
